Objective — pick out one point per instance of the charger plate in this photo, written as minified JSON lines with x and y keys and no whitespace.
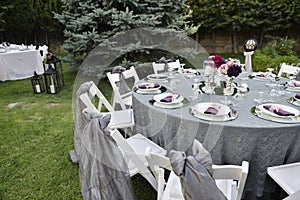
{"x":289,"y":120}
{"x":225,"y":113}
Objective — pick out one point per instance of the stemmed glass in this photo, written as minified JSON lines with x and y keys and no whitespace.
{"x":227,"y":90}
{"x":209,"y":72}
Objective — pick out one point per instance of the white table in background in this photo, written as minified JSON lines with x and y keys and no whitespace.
{"x":20,"y":64}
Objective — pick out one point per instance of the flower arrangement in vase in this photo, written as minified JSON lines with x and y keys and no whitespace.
{"x":227,"y":67}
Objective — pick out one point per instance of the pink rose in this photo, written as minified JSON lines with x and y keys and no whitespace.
{"x":230,"y":63}
{"x":223,"y":68}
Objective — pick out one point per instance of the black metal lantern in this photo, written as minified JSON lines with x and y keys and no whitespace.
{"x":57,"y":65}
{"x":37,"y":84}
{"x":250,"y":45}
{"x":52,"y":81}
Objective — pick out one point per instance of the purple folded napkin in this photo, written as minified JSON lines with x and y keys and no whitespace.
{"x":295,"y":83}
{"x":211,"y":110}
{"x":278,"y":111}
{"x":148,"y":86}
{"x":262,"y":74}
{"x":170,"y":98}
{"x":297,"y":96}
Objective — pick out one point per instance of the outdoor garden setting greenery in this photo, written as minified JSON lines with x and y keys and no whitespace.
{"x":255,"y":18}
{"x":90,"y":23}
{"x":29,"y":21}
{"x":277,"y":51}
{"x":36,"y":137}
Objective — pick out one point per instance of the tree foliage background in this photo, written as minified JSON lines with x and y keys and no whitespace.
{"x":85,"y":23}
{"x":29,"y":21}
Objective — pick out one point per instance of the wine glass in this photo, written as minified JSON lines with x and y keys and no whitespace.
{"x":228,"y":90}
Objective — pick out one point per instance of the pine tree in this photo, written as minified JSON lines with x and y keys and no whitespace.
{"x":92,"y":22}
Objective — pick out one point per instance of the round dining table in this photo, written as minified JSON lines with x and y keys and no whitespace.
{"x":261,"y":142}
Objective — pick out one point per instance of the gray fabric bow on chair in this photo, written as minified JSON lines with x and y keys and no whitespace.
{"x":123,"y":87}
{"x":165,"y":61}
{"x":103,"y":171}
{"x":195,"y":174}
{"x":79,"y":122}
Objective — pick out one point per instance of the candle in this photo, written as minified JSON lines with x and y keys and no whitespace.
{"x":37,"y":88}
{"x":52,"y":89}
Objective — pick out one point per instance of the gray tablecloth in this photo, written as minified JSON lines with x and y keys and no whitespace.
{"x":260,"y":142}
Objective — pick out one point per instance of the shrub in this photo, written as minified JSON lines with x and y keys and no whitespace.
{"x":277,"y":51}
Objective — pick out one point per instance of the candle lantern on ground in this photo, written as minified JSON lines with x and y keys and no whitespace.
{"x":52,"y":81}
{"x":37,"y":83}
{"x":56,"y":64}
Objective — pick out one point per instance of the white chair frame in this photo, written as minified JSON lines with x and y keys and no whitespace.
{"x":288,"y":70}
{"x":225,"y":175}
{"x":161,"y":66}
{"x":124,"y":100}
{"x":134,"y":149}
{"x":119,"y":119}
{"x":287,"y":176}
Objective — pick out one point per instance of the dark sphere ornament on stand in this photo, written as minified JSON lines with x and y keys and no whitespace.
{"x":250,"y":45}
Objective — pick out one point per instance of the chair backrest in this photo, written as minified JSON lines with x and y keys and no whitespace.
{"x":115,"y":78}
{"x":158,"y":163}
{"x":161,"y":66}
{"x":102,"y":101}
{"x":232,"y":172}
{"x":130,"y":155}
{"x":288,"y":69}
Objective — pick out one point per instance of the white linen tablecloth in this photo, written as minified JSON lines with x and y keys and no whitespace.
{"x":16,"y":64}
{"x":260,"y":142}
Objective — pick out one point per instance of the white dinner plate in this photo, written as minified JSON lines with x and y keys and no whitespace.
{"x":189,"y":71}
{"x":283,"y":107}
{"x":224,"y":114}
{"x":157,"y":77}
{"x":148,"y":87}
{"x":170,"y":106}
{"x":176,"y":98}
{"x":293,"y":89}
{"x":259,"y":113}
{"x":202,"y":107}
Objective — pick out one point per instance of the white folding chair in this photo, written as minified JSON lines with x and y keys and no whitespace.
{"x":286,"y":176}
{"x":134,"y":149}
{"x":288,"y":70}
{"x":230,"y":179}
{"x":119,"y":119}
{"x":124,"y":99}
{"x":161,"y":66}
{"x":294,"y":196}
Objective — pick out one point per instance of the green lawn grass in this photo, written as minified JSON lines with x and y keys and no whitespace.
{"x":36,"y":137}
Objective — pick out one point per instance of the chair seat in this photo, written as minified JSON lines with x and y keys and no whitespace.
{"x":121,"y":119}
{"x":139,"y":143}
{"x":287,"y":176}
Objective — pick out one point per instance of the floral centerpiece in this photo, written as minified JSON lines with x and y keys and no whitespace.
{"x":226,"y":67}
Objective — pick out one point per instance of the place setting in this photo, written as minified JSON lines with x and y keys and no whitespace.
{"x":157,"y":78}
{"x":211,"y":111}
{"x":276,"y":113}
{"x":264,"y":76}
{"x":293,"y":85}
{"x":149,"y":88}
{"x":168,"y":100}
{"x":295,"y":100}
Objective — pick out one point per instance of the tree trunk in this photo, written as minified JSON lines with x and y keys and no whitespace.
{"x":46,"y":38}
{"x":261,"y":37}
{"x":234,"y":42}
{"x":197,"y":41}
